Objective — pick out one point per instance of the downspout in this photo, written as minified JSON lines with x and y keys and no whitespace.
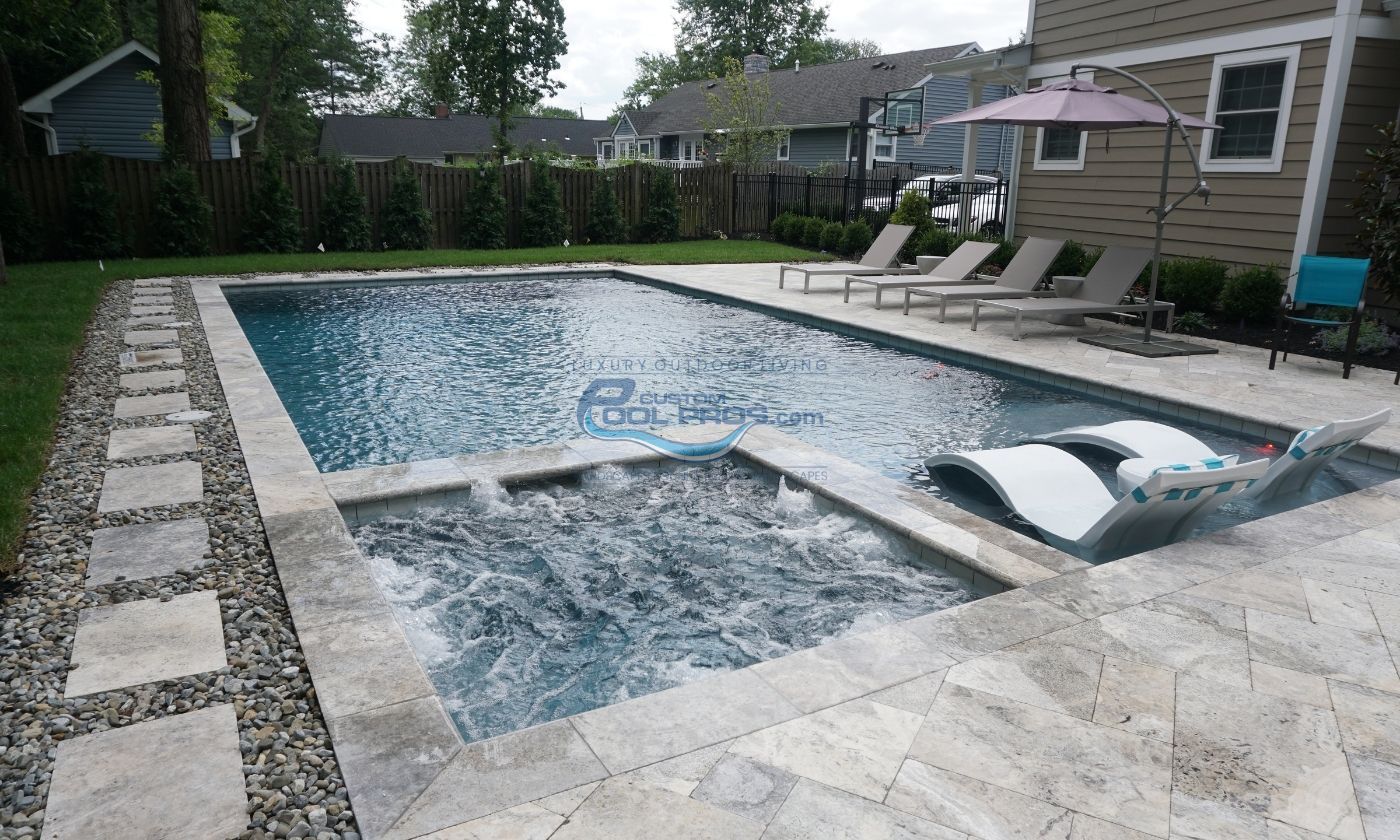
{"x":235,"y":147}
{"x":50,"y":133}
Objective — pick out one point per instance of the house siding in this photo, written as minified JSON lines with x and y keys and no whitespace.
{"x":813,"y":147}
{"x":1372,"y":98}
{"x":943,"y":145}
{"x":1105,"y":203}
{"x":113,"y":110}
{"x":1084,"y":28}
{"x":624,"y":128}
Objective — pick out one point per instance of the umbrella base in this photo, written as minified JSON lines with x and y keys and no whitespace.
{"x":1154,"y":347}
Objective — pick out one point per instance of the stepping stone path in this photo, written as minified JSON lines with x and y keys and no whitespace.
{"x":179,"y":776}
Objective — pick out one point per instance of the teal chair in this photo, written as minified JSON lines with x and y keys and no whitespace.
{"x":1334,"y":282}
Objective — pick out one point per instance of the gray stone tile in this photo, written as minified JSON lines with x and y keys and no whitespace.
{"x":148,"y":282}
{"x":682,"y":719}
{"x":526,"y":464}
{"x":523,"y":822}
{"x":150,"y":404}
{"x":146,"y":550}
{"x":291,"y":493}
{"x":567,"y":802}
{"x":852,"y":667}
{"x":990,"y":624}
{"x":146,"y":358}
{"x":1136,"y":698}
{"x":1341,"y":606}
{"x":1246,"y":546}
{"x":138,"y":642}
{"x":814,"y":810}
{"x":914,"y":696}
{"x":1113,"y":586}
{"x":132,"y":488}
{"x":153,"y":309}
{"x":1378,"y":792}
{"x":1291,"y":685}
{"x":1350,"y":561}
{"x":629,"y":809}
{"x":598,"y":452}
{"x":1252,"y":756}
{"x":171,"y":778}
{"x":150,"y":440}
{"x":1089,"y":828}
{"x":1199,"y":609}
{"x":1367,"y":507}
{"x":153,"y":381}
{"x":362,"y":664}
{"x":271,"y":447}
{"x":1386,"y":609}
{"x":1332,"y":652}
{"x":745,"y":787}
{"x":682,"y":773}
{"x":1061,"y":679}
{"x":975,"y":807}
{"x":136,"y":338}
{"x":390,"y":755}
{"x":1063,"y":760}
{"x":487,"y":776}
{"x":1370,"y":721}
{"x":857,"y":746}
{"x":151,"y":320}
{"x":1167,"y":641}
{"x":1276,"y":593}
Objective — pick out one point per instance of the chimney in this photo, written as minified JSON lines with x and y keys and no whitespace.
{"x":755,"y":63}
{"x":440,"y":111}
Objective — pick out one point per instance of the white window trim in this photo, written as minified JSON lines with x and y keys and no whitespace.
{"x":605,"y":150}
{"x":875,"y":144}
{"x":1076,"y":165}
{"x":785,"y":147}
{"x":1288,"y":53}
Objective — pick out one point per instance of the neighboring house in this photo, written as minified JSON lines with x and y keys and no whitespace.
{"x":450,"y":138}
{"x":1296,"y":84}
{"x":108,"y":107}
{"x":819,"y":104}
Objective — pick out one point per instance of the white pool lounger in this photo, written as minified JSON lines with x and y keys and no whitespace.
{"x":1070,"y":506}
{"x":1310,"y":451}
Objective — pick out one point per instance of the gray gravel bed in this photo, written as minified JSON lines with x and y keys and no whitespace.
{"x":292,"y":779}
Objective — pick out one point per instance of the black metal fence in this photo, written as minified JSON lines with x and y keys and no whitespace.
{"x":965,"y":207}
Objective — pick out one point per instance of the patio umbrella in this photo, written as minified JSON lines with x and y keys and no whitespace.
{"x":1082,"y":105}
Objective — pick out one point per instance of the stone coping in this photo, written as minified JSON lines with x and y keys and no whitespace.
{"x":408,"y":772}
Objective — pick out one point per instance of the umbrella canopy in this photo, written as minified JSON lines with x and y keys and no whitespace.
{"x":1072,"y":103}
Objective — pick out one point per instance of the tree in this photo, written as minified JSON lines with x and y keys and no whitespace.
{"x":712,"y":31}
{"x":93,"y":230}
{"x":543,"y":223}
{"x":183,"y":89}
{"x":662,"y":220}
{"x":407,"y":224}
{"x":344,"y":222}
{"x":18,"y":228}
{"x":1378,"y":210}
{"x":181,"y":220}
{"x":829,"y":50}
{"x":484,"y":213}
{"x":272,"y":223}
{"x":605,"y":224}
{"x":743,"y":113}
{"x":657,"y":75}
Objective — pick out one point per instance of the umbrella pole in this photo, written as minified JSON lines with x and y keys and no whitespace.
{"x":1160,"y":211}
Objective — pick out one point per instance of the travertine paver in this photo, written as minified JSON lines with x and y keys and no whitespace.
{"x":683,"y":773}
{"x":748,"y":788}
{"x":630,"y":809}
{"x":153,"y":309}
{"x":147,"y":358}
{"x":136,"y":338}
{"x":362,"y":665}
{"x":156,"y":379}
{"x":150,"y":440}
{"x":173,"y":778}
{"x":151,"y":404}
{"x":975,"y":807}
{"x":523,"y":822}
{"x":814,"y":810}
{"x":137,"y":642}
{"x":158,"y":485}
{"x":145,"y":550}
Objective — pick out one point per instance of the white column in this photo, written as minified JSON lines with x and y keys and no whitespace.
{"x":969,"y":165}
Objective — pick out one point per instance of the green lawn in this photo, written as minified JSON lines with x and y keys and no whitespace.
{"x":45,"y":306}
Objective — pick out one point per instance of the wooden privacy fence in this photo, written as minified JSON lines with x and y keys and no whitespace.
{"x":705,"y":196}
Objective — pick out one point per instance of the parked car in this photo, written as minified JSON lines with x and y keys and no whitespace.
{"x":943,"y":192}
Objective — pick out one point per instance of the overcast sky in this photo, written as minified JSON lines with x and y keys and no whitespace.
{"x":605,"y":36}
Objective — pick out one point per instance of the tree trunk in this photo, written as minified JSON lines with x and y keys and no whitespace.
{"x":183,"y":92}
{"x":124,"y":20}
{"x":274,"y":69}
{"x":11,"y":126}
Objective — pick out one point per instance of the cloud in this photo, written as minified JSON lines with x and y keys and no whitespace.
{"x":605,"y":38}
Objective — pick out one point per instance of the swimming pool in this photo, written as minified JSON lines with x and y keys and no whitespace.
{"x":381,"y":374}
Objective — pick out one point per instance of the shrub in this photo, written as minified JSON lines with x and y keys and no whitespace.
{"x":19,"y":233}
{"x":795,"y":230}
{"x":858,"y":238}
{"x":406,"y":224}
{"x":1373,"y":339}
{"x":812,"y":231}
{"x":1377,"y":208}
{"x":936,"y":242}
{"x":662,"y":220}
{"x":1070,"y":262}
{"x":484,"y":212}
{"x":832,"y":235}
{"x":1192,"y":323}
{"x":542,"y":221}
{"x":182,"y":220}
{"x":344,"y":223}
{"x":1252,"y":294}
{"x":605,"y":224}
{"x":914,"y":210}
{"x":273,"y":223}
{"x":780,"y":224}
{"x":93,"y":230}
{"x":1194,"y":285}
{"x":1003,"y":254}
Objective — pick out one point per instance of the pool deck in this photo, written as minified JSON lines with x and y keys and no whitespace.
{"x":1240,"y":685}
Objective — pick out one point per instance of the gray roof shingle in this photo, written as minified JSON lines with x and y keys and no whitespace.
{"x":427,"y":138}
{"x":817,"y":95}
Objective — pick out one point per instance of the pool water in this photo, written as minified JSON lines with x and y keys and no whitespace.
{"x":544,"y":602}
{"x":392,"y":373}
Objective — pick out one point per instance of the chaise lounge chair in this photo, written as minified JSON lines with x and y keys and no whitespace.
{"x":1070,"y":506}
{"x":1018,"y":280}
{"x":1101,"y":291}
{"x":1148,"y":444}
{"x":956,"y":268}
{"x":881,"y":258}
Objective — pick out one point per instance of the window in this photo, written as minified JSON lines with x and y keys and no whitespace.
{"x":605,"y":150}
{"x":644,"y":148}
{"x":884,"y":146}
{"x":1061,"y":149}
{"x":784,"y":146}
{"x":1250,"y":95}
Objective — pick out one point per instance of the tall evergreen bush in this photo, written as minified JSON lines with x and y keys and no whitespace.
{"x":605,"y":223}
{"x":182,"y":222}
{"x":272,"y":223}
{"x":484,"y":213}
{"x":344,"y":222}
{"x":93,"y":230}
{"x":407,"y":225}
{"x":19,"y":233}
{"x":662,"y":220}
{"x":543,"y":223}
